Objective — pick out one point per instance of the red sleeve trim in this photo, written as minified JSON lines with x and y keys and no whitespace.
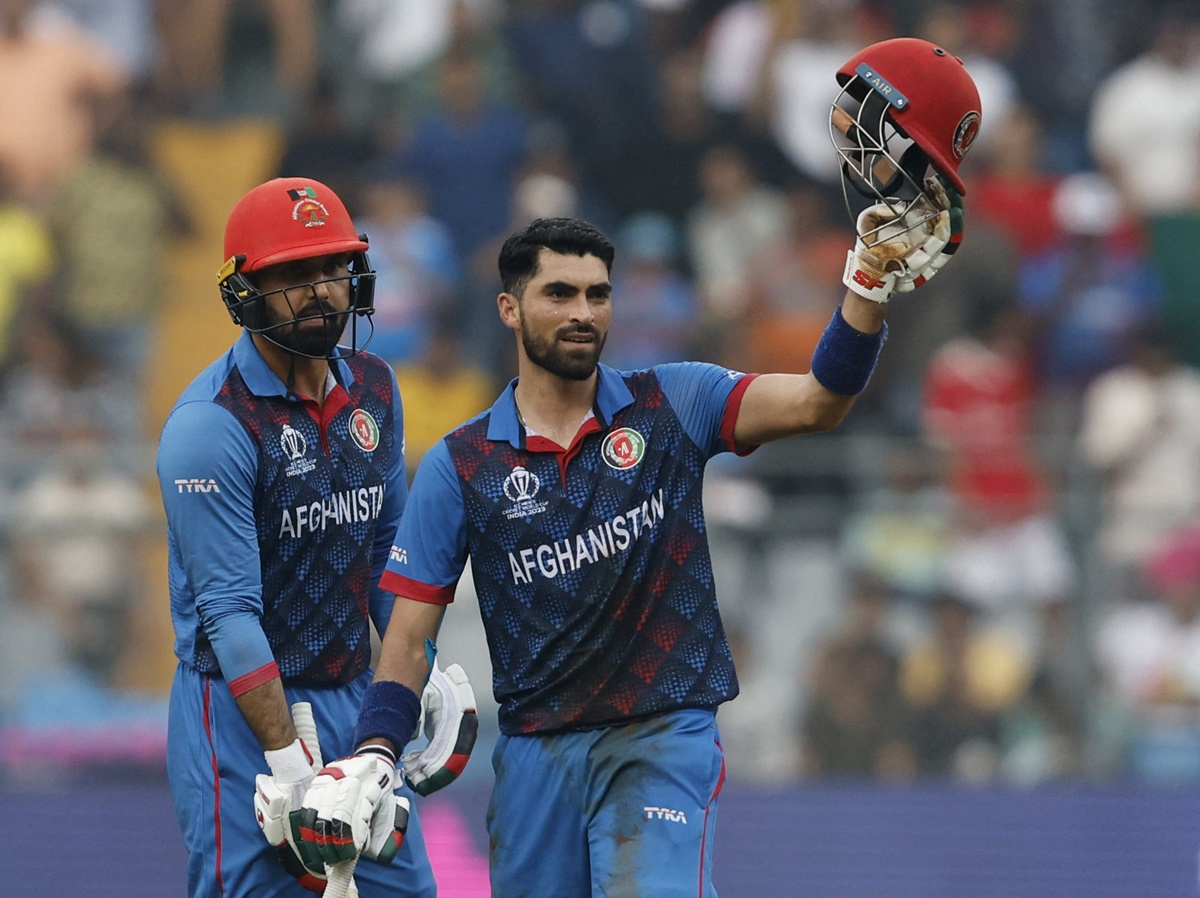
{"x":246,"y":682}
{"x":399,"y":585}
{"x":732,"y":405}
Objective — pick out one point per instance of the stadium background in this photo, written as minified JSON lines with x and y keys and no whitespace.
{"x":850,"y":565}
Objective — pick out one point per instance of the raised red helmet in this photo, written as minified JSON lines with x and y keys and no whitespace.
{"x":929,"y":97}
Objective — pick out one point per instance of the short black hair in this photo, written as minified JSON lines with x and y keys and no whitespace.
{"x":568,"y":236}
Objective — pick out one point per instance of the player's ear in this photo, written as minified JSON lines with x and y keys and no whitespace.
{"x":510,"y":310}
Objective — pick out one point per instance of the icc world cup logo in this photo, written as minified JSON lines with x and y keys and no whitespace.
{"x":521,"y":485}
{"x":293,"y":442}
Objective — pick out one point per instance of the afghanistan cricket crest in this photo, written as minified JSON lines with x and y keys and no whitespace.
{"x":364,"y":431}
{"x":623,"y":448}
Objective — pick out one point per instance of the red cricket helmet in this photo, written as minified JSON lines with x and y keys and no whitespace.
{"x":283,"y":220}
{"x":923,"y":92}
{"x":288,"y":219}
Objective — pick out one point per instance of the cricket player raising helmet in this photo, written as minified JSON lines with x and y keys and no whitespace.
{"x":577,"y":498}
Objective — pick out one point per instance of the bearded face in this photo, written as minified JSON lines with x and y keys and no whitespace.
{"x":572,"y":352}
{"x":313,"y":330}
{"x":563,"y":315}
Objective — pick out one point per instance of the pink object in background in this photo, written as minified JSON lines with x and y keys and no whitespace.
{"x":460,"y":868}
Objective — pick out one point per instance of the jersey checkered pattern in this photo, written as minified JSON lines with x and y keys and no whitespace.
{"x":597,"y":593}
{"x":316,"y":513}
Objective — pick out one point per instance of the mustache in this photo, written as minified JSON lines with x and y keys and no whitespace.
{"x":318,"y":310}
{"x":584,"y":330}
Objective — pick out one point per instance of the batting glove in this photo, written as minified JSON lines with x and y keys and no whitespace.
{"x":350,"y":808}
{"x":276,"y":798}
{"x":450,"y":723}
{"x":898,"y":249}
{"x":930,"y":256}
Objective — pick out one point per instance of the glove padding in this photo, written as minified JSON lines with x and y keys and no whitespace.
{"x":351,"y":808}
{"x":276,"y":796}
{"x":273,"y":806}
{"x":899,"y":251}
{"x":450,"y":723}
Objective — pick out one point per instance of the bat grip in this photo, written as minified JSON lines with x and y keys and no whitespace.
{"x":340,"y":879}
{"x":306,"y":729}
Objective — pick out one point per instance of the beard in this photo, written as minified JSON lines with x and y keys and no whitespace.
{"x":550,"y":354}
{"x":314,"y":338}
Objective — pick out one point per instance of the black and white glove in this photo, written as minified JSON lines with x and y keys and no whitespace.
{"x":898,"y":249}
{"x":450,"y":723}
{"x":350,"y":808}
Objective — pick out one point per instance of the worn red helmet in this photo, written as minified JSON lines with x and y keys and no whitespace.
{"x":905,"y":105}
{"x":287,"y":219}
{"x":283,"y":220}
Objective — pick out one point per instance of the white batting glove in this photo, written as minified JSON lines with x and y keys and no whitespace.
{"x":350,"y":808}
{"x":275,"y":798}
{"x":450,"y":723}
{"x":930,"y":256}
{"x":898,"y":249}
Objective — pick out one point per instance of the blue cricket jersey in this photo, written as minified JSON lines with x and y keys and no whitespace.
{"x":280,"y":514}
{"x":591,"y":563}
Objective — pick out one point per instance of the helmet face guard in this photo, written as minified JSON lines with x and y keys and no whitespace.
{"x":285,"y":220}
{"x":247,"y":307}
{"x":906,"y":107}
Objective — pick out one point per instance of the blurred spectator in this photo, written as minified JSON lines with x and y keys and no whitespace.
{"x":417,"y":269}
{"x":113,"y":219}
{"x":1145,"y":118}
{"x":49,"y":71}
{"x":229,"y":58}
{"x":666,"y":174}
{"x":1008,"y":553}
{"x":441,"y":390}
{"x":1140,"y":432}
{"x":389,"y":53}
{"x":810,"y":43}
{"x":736,"y":47}
{"x":898,"y":533}
{"x":78,"y":540}
{"x":737,"y":218}
{"x":327,"y":145}
{"x":792,"y":287}
{"x":55,"y":384}
{"x":1012,"y":189}
{"x":1088,"y":293}
{"x":26,"y":257}
{"x":978,"y":410}
{"x":856,"y":724}
{"x":586,"y":64}
{"x":960,"y":681}
{"x":980,"y":284}
{"x":466,"y":157}
{"x":1148,"y":655}
{"x":659,"y":315}
{"x":127,"y":27}
{"x":1058,"y":51}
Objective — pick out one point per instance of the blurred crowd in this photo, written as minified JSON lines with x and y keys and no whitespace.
{"x":1014,"y":506}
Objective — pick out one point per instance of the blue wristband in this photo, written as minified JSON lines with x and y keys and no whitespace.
{"x":845,"y":358}
{"x":389,"y":710}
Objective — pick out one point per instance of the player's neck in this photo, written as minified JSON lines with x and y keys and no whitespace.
{"x":303,"y":376}
{"x":553,"y":406}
